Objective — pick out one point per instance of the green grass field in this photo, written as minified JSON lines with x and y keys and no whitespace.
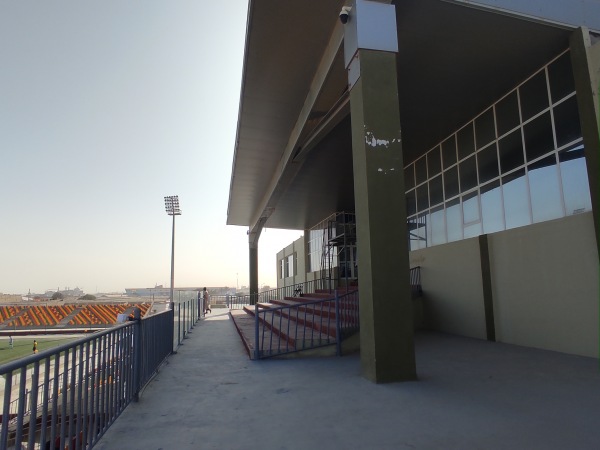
{"x":23,"y":346}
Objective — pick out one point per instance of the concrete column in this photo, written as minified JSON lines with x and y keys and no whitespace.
{"x":386,"y":315}
{"x":585,"y":57}
{"x":253,"y":267}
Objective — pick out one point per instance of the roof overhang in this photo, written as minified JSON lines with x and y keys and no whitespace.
{"x":292,"y":163}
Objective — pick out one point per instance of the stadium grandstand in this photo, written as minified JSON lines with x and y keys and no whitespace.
{"x":64,"y":317}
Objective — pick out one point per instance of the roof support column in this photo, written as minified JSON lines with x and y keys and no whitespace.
{"x":585,"y":57}
{"x":253,"y":263}
{"x":386,"y":315}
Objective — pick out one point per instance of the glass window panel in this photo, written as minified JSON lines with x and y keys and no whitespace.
{"x":422,"y":198}
{"x":485,"y":130}
{"x":511,"y":151}
{"x":438,"y":226}
{"x":421,"y":230}
{"x":454,"y":220}
{"x":487,"y":164}
{"x":465,"y":141}
{"x":534,"y":96}
{"x":507,"y":113}
{"x":434,"y":163}
{"x":492,"y":214}
{"x":566,"y":122}
{"x":409,"y":177}
{"x":470,"y":203}
{"x":436,"y":190}
{"x":451,"y":182}
{"x":449,"y":152}
{"x":468,"y":174}
{"x":411,"y":203}
{"x":576,"y":188}
{"x":416,"y":232}
{"x":560,"y":74}
{"x":516,"y":199}
{"x":546,"y":203}
{"x":538,"y":137}
{"x":421,"y":170}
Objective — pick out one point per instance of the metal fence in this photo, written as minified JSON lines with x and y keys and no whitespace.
{"x":309,"y":324}
{"x":187,"y":310}
{"x":67,"y":397}
{"x":306,"y":325}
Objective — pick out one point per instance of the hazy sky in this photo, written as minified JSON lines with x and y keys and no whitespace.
{"x":105,"y":108}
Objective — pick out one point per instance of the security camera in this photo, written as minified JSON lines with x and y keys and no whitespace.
{"x":344,"y":14}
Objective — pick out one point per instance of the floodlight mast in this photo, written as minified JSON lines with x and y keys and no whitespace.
{"x":172,"y":208}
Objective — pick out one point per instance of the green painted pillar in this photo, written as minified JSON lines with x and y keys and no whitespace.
{"x":253,"y":268}
{"x":386,"y":313}
{"x":585,"y":57}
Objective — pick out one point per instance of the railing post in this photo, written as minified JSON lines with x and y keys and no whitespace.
{"x":178,"y":324}
{"x":338,"y":325}
{"x":137,"y":353}
{"x":256,"y":349}
{"x":185,"y":324}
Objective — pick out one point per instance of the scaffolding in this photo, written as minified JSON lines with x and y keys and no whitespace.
{"x":338,"y":249}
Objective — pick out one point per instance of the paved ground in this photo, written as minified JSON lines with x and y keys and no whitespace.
{"x":471,"y":394}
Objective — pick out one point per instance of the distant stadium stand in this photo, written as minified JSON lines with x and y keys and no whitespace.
{"x":65,"y":316}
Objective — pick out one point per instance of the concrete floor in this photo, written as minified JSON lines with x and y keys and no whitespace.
{"x":471,"y":394}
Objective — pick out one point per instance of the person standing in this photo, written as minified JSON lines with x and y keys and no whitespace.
{"x":206,"y":298}
{"x":35,"y":349}
{"x":10,"y":342}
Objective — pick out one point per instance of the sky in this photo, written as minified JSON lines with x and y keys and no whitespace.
{"x":106,"y":108}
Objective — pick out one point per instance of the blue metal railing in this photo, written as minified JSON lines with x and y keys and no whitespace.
{"x":187,"y":309}
{"x":311,"y":324}
{"x":295,"y":290}
{"x":69,"y":396}
{"x":306,"y":325}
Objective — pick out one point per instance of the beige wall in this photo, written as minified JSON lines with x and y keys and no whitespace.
{"x":545,"y":285}
{"x":452,"y":288}
{"x":295,"y":247}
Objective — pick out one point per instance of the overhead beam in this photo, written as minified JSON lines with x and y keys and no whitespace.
{"x":284,"y":173}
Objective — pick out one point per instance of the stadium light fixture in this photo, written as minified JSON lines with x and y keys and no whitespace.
{"x":172,"y":208}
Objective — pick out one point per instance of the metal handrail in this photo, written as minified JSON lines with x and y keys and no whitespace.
{"x":71,"y":394}
{"x":307,"y":325}
{"x":279,"y":329}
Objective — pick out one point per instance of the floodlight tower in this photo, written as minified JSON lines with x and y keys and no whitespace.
{"x":172,"y":208}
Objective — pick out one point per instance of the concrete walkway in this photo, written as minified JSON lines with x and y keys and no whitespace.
{"x":471,"y":394}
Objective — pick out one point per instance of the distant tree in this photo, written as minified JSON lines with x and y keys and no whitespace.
{"x":87,"y":297}
{"x":57,"y":296}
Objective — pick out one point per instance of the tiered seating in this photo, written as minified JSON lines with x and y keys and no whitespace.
{"x":33,"y":316}
{"x":65,"y":310}
{"x":25,"y":319}
{"x":56,"y":314}
{"x":4,"y":313}
{"x":86,"y":317}
{"x":144,"y":307}
{"x":38,"y":316}
{"x":8,"y":312}
{"x":292,"y":324}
